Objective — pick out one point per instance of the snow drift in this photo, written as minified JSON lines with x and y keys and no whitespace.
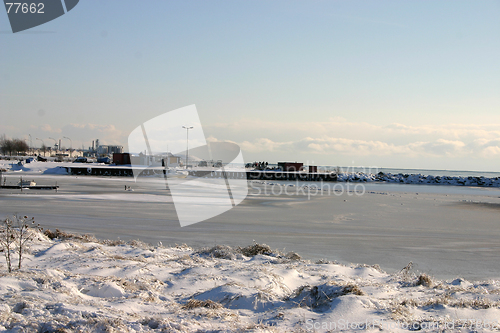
{"x":78,"y":283}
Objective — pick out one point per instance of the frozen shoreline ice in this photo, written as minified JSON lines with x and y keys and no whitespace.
{"x":449,"y":233}
{"x":53,"y":168}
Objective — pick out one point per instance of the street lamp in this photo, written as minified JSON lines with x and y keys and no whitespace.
{"x":43,"y":146}
{"x":187,"y":142}
{"x":71,"y":147}
{"x":55,"y":143}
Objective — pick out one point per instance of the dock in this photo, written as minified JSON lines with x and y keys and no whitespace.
{"x":30,"y":185}
{"x":127,"y":171}
{"x":35,"y":187}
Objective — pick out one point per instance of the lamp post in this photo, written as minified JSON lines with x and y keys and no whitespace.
{"x":43,"y":146}
{"x":71,"y":147}
{"x":55,"y":143}
{"x":31,"y":145}
{"x":187,"y":142}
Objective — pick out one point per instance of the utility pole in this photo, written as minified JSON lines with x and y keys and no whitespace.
{"x":71,"y":147}
{"x":43,"y":146}
{"x":187,"y":142}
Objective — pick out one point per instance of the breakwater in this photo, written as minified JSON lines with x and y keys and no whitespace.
{"x":127,"y":171}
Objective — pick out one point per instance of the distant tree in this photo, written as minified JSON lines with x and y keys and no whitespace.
{"x":2,"y":145}
{"x":43,"y":148}
{"x":20,"y":146}
{"x":6,"y":146}
{"x":13,"y":147}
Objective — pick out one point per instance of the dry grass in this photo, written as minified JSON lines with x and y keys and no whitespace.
{"x":58,"y":234}
{"x":219,"y":251}
{"x":256,"y":249}
{"x":375,"y":267}
{"x":352,"y":289}
{"x":424,"y":280}
{"x":194,"y":303}
{"x":448,"y":300}
{"x":321,"y":295}
{"x":293,"y":256}
{"x":229,"y":253}
{"x":323,"y":262}
{"x":88,"y":238}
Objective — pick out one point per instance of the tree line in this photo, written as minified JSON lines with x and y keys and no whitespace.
{"x":13,"y":146}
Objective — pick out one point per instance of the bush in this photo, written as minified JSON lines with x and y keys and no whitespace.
{"x":424,"y":280}
{"x":15,"y":235}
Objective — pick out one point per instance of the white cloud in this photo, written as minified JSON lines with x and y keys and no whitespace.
{"x":45,"y":128}
{"x":330,"y":145}
{"x":247,"y":129}
{"x":340,"y":137}
{"x":78,"y":133}
{"x":107,"y":134}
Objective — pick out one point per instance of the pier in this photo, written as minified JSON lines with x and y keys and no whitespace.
{"x":29,"y":185}
{"x":127,"y":171}
{"x":266,"y":175}
{"x":34,"y":187}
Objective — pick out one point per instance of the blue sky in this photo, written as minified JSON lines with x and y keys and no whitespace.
{"x":412,"y":84}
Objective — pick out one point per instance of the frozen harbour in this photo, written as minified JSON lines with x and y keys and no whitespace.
{"x":446,"y":231}
{"x":351,"y":250}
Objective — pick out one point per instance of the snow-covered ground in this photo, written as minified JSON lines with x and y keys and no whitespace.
{"x":81,"y":284}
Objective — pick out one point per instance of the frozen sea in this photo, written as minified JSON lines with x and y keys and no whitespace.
{"x":446,"y":231}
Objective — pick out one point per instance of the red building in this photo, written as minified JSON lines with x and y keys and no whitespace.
{"x":121,"y":158}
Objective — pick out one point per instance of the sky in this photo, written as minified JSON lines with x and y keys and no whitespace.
{"x":401,"y":84}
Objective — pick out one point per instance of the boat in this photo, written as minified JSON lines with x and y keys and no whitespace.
{"x":174,"y":173}
{"x":26,"y":183}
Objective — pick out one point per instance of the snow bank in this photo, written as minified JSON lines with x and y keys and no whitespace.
{"x":74,"y":284}
{"x":419,"y":179}
{"x":56,"y":171}
{"x":35,"y":167}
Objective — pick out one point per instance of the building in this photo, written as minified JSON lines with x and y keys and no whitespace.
{"x":171,"y":160}
{"x":109,"y":150}
{"x":102,"y":150}
{"x":121,"y":158}
{"x":167,"y":159}
{"x":115,"y":149}
{"x":290,"y":166}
